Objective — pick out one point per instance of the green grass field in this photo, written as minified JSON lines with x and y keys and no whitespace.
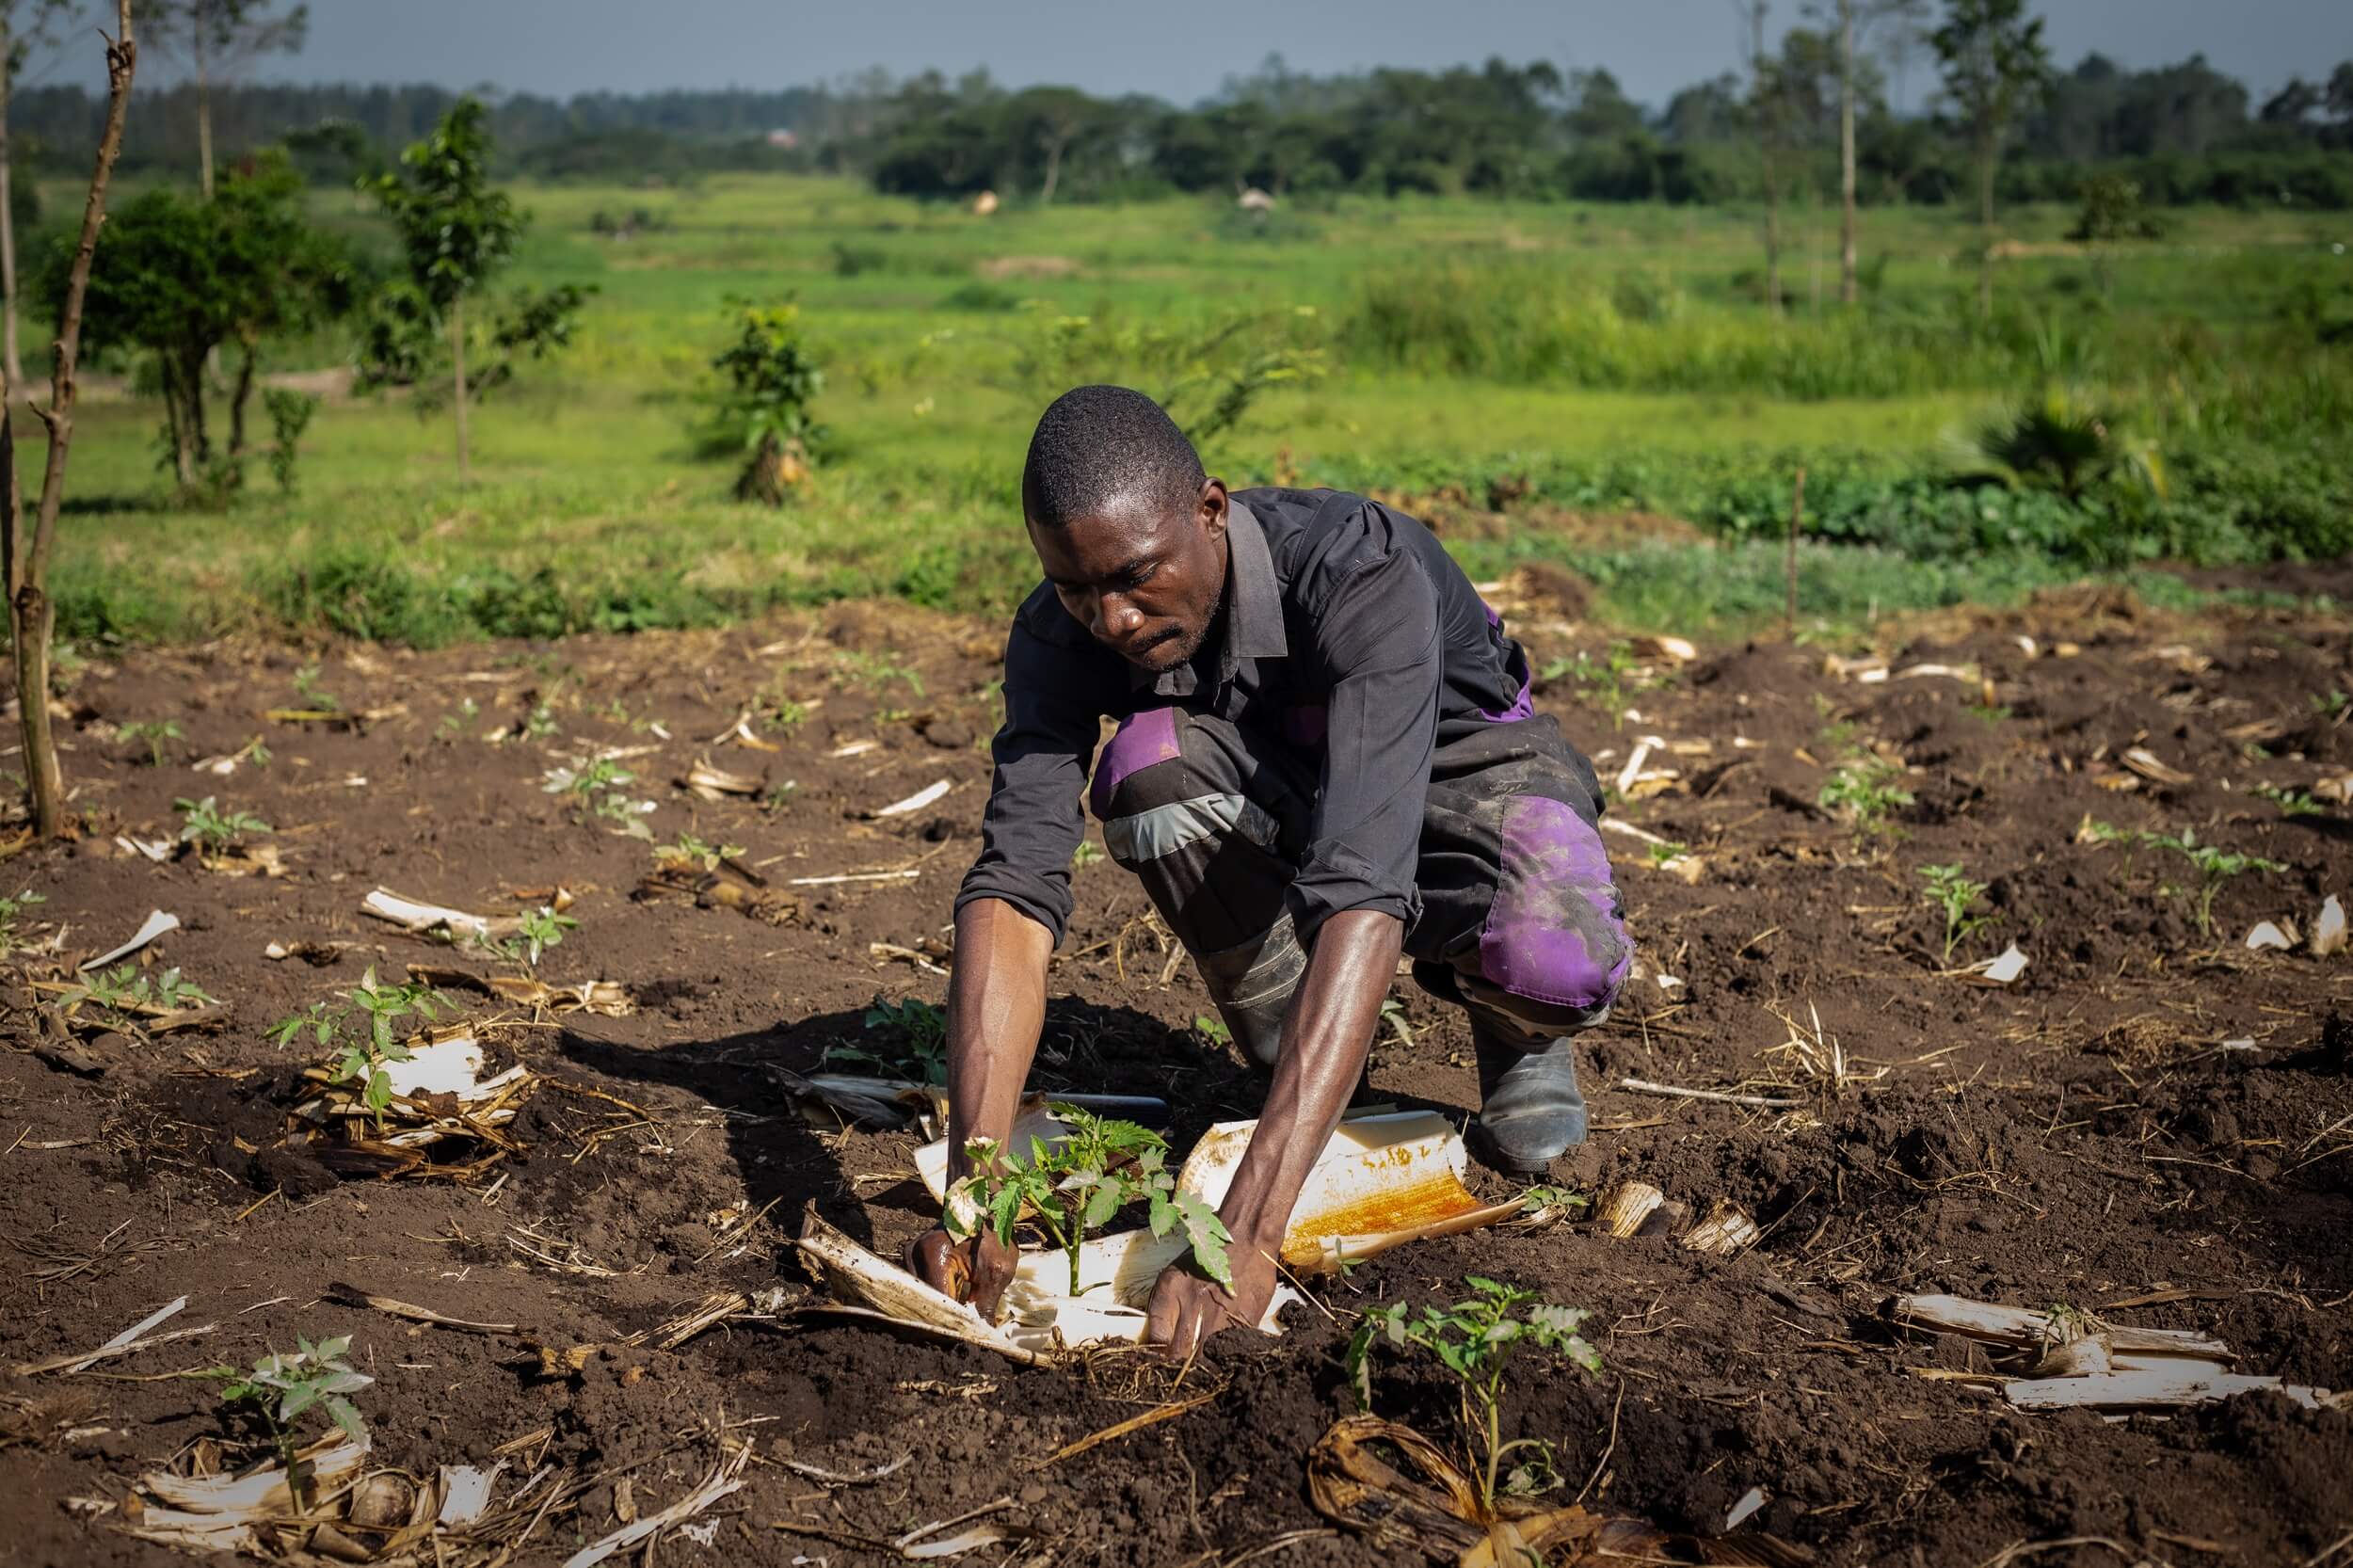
{"x":1457,"y":335}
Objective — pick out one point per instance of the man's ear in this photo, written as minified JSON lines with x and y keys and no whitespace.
{"x":1210,"y":512}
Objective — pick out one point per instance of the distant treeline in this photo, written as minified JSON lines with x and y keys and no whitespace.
{"x":2186,"y":132}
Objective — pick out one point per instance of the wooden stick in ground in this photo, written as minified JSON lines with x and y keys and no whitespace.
{"x":1789,"y":559}
{"x":31,"y":614}
{"x":1134,"y":1423}
{"x":1719,"y":1096}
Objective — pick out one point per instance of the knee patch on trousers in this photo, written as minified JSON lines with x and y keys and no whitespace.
{"x":1555,"y":933}
{"x":1143,"y":741}
{"x":1152,"y":806}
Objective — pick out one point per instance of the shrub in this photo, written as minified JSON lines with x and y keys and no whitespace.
{"x":764,"y":407}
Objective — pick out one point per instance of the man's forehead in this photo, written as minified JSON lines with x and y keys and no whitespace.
{"x":1111,"y":538}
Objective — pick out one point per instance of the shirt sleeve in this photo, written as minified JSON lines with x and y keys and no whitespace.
{"x":1034,"y":821}
{"x":1377,"y":640}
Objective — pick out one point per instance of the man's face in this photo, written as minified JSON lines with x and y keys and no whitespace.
{"x":1145,"y":581}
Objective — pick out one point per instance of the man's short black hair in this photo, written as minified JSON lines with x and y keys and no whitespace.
{"x":1098,"y":447}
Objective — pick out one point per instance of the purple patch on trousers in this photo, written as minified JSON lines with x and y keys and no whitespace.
{"x":1553,"y":933}
{"x":1304,"y":727}
{"x":1143,"y":740}
{"x":1522,"y":707}
{"x":1520,"y":710}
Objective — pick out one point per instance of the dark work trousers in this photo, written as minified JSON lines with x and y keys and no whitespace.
{"x":1519,"y":912}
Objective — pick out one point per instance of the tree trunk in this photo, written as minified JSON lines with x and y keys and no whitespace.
{"x":457,"y":362}
{"x":1053,"y":172}
{"x":762,"y":478}
{"x":1850,"y":286}
{"x":1766,"y":121}
{"x":1986,"y":153}
{"x":176,"y":420}
{"x":31,"y":615}
{"x":200,"y":445}
{"x":31,"y":619}
{"x":8,"y":355}
{"x":203,"y":116}
{"x":243,"y":390}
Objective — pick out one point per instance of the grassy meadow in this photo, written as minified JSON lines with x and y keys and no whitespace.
{"x":1604,"y":360}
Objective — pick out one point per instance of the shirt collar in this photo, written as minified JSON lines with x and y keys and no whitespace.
{"x":1254,"y":623}
{"x":1253,"y":608}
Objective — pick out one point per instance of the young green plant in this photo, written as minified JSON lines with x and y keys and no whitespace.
{"x":2215,"y":867}
{"x":1864,"y":790}
{"x":912,"y":1040}
{"x":1666,"y":852}
{"x":1076,"y":1184}
{"x":312,"y":696}
{"x":362,"y":1051}
{"x":122,"y":992}
{"x":541,"y":929}
{"x":154,"y":732}
{"x":282,"y":1388}
{"x":11,"y":909}
{"x":1950,"y":890}
{"x":2292,"y":803}
{"x":594,"y":788}
{"x":1607,"y":681}
{"x":211,"y":830}
{"x":695,"y":854}
{"x":1476,"y":1339}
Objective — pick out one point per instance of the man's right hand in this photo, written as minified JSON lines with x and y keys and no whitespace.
{"x":976,"y":1270}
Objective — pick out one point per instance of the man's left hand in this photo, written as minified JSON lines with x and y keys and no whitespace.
{"x":1187,"y":1308}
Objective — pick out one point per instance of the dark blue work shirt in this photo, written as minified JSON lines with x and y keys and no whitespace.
{"x":1348,"y":635}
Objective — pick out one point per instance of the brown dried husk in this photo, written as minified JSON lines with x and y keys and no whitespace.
{"x":1425,"y":1502}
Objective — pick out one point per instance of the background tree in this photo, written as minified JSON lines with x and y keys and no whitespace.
{"x":763,"y":407}
{"x":1995,"y":68}
{"x":25,"y":26}
{"x":286,"y":277}
{"x":180,"y":278}
{"x":1050,"y":119}
{"x":31,"y":614}
{"x":1790,"y":106}
{"x":455,"y":229}
{"x":1854,"y":20}
{"x":219,"y":39}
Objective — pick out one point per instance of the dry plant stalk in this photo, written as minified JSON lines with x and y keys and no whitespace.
{"x":1812,"y":1056}
{"x":1726,"y":1231}
{"x":1626,"y":1208}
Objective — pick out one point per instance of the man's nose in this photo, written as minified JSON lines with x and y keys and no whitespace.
{"x":1115,"y":618}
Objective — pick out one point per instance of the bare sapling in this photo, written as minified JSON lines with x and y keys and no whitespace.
{"x":32,"y":615}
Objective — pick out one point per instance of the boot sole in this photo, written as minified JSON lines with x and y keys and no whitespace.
{"x":1488,"y":1153}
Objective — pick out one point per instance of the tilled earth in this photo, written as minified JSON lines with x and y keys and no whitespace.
{"x":2151,"y":1124}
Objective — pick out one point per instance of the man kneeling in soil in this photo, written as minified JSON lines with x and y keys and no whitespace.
{"x":1325,"y":758}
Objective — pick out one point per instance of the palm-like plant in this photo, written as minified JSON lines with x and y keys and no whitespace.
{"x":2061,"y":441}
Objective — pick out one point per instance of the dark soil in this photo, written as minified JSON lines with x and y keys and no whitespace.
{"x":2082,"y":1136}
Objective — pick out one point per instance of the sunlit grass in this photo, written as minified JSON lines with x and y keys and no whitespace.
{"x":1548,"y":329}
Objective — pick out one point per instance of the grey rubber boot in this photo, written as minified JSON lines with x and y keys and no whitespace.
{"x":1252,"y":984}
{"x":1530,"y":1109}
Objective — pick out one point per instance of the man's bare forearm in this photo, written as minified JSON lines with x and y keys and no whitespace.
{"x":1327,"y":1035}
{"x":996,"y":1006}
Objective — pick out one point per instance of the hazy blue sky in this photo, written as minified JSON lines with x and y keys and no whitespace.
{"x":1180,"y":48}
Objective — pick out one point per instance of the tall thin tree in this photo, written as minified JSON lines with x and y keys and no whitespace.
{"x":1766,"y":111}
{"x":219,"y":39}
{"x":25,"y":26}
{"x":32,"y":617}
{"x":1995,"y":68}
{"x":1854,"y":20}
{"x":455,"y":229}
